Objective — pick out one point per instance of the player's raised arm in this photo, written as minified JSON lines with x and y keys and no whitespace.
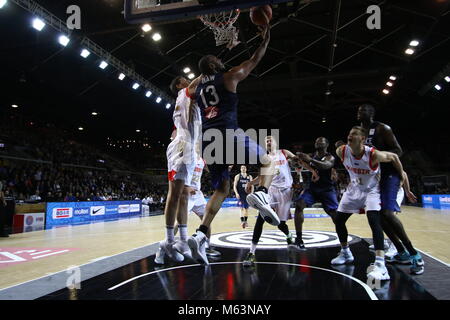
{"x":242,"y":71}
{"x":193,"y":85}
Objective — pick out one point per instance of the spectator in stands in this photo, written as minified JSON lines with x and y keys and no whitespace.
{"x":10,"y":210}
{"x":36,"y":197}
{"x":70,"y":198}
{"x":50,"y":197}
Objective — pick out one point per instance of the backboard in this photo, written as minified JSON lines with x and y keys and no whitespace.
{"x":145,"y":11}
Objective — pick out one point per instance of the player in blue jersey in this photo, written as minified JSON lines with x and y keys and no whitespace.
{"x":321,"y":190}
{"x":382,"y":137}
{"x":216,"y":95}
{"x":240,"y":183}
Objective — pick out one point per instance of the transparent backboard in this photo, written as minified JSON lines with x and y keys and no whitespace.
{"x":142,"y":11}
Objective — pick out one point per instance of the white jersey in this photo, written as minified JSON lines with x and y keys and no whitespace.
{"x":196,"y":181}
{"x":185,"y":129}
{"x":282,"y":177}
{"x":363,"y":175}
{"x":181,"y":152}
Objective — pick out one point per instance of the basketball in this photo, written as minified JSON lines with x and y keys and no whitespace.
{"x":261,"y":15}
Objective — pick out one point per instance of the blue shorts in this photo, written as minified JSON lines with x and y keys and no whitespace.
{"x":389,"y":187}
{"x":241,"y":149}
{"x":328,"y":198}
{"x":242,"y":202}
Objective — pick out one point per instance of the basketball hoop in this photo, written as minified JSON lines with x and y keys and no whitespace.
{"x":221,"y":24}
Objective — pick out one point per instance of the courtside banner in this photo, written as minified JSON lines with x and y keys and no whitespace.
{"x":70,"y":213}
{"x":436,"y":201}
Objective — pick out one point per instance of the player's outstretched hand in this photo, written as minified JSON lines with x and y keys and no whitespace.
{"x":411,"y":196}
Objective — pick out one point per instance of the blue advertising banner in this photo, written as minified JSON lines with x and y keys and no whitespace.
{"x":436,"y":201}
{"x":70,"y":213}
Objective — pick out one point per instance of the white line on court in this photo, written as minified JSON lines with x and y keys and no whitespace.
{"x":365,"y":286}
{"x":50,"y":254}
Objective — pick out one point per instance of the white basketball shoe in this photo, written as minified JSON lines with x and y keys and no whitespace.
{"x":344,"y":257}
{"x":377,"y":271}
{"x":183,"y":248}
{"x":261,"y":202}
{"x":197,"y":244}
{"x":166,"y":250}
{"x":391,"y":252}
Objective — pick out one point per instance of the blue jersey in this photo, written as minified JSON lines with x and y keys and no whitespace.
{"x":242,"y":183}
{"x":218,"y":105}
{"x":325,"y":182}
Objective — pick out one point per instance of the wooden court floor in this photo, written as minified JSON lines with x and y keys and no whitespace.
{"x":429,"y":230}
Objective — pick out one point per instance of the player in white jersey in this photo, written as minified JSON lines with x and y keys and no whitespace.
{"x":181,"y":154}
{"x":280,"y":193}
{"x":363,"y":192}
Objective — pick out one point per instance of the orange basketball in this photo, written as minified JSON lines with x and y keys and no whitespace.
{"x":261,"y":15}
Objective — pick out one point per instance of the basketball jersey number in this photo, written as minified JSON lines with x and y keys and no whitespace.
{"x":212,"y":94}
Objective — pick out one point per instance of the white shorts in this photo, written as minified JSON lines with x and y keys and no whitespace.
{"x":400,"y":197}
{"x":197,"y":204}
{"x":180,"y":160}
{"x":280,"y":201}
{"x":354,"y":200}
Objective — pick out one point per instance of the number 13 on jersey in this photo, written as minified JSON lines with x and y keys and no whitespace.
{"x":209,"y":96}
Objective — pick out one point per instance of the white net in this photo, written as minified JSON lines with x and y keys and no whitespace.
{"x":221,"y":24}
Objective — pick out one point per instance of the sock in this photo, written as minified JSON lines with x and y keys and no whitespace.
{"x":379,"y":260}
{"x":345,"y":248}
{"x":183,"y":232}
{"x":262,"y":188}
{"x":299,"y":237}
{"x":203,"y":229}
{"x":170,"y":237}
{"x":242,"y":219}
{"x":245,"y":219}
{"x":253,"y":248}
